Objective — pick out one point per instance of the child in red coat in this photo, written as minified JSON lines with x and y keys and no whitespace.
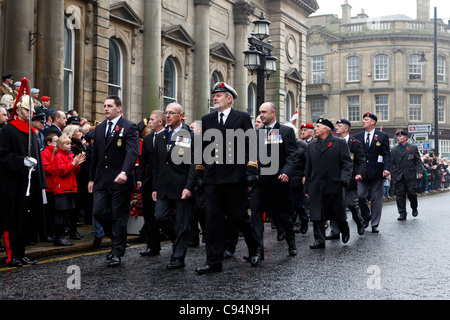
{"x":47,"y":156}
{"x":65,"y":169}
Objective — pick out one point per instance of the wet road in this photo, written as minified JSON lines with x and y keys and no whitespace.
{"x":406,"y":260}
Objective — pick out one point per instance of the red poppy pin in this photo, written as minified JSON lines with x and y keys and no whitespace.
{"x":408,"y":149}
{"x":329,"y":144}
{"x":117,"y":128}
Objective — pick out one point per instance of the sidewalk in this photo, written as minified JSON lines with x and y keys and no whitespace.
{"x":46,"y":249}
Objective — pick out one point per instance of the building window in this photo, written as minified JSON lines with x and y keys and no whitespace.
{"x":353,"y":69}
{"x":318,"y":69}
{"x":251,"y":101}
{"x":382,"y":106}
{"x":381,"y":67}
{"x":317,"y":109}
{"x":69,"y":49}
{"x":415,"y":107}
{"x":441,"y":109}
{"x":353,"y":108}
{"x":115,"y":69}
{"x":170,"y":83}
{"x":441,"y":69}
{"x":415,"y":67}
{"x":290,"y":106}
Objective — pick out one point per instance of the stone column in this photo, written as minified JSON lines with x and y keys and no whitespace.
{"x":19,"y":22}
{"x":50,"y":50}
{"x":241,"y":11}
{"x":101,"y":60}
{"x":202,"y":91}
{"x":152,"y":57}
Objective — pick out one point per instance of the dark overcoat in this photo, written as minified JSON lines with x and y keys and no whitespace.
{"x":328,"y":170}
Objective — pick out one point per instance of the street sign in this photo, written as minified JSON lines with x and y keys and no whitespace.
{"x":419,"y":137}
{"x":419,"y":128}
{"x":424,"y":146}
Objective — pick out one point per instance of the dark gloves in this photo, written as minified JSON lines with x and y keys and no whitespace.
{"x":252,"y":175}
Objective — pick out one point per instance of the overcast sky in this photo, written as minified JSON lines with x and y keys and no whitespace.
{"x":377,"y":8}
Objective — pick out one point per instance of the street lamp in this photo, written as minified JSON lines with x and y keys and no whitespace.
{"x":259,"y":56}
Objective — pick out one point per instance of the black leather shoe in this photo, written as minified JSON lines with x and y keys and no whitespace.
{"x":281,"y":236}
{"x":317,"y":245}
{"x":175,"y":264}
{"x":292,"y":251}
{"x":207,"y":269}
{"x":415,"y":213}
{"x":62,"y":242}
{"x":227,"y":254}
{"x":114,"y":261}
{"x":345,"y":237}
{"x":304,"y":228}
{"x":149,"y":252}
{"x":26,"y":260}
{"x":361,"y":229}
{"x":15,"y":263}
{"x":375,"y":229}
{"x":332,"y":236}
{"x":75,"y":236}
{"x":402,"y":217}
{"x":254,"y":260}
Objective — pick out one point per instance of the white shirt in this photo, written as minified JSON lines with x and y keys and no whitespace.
{"x":372,"y":133}
{"x":225,"y":112}
{"x":114,"y":122}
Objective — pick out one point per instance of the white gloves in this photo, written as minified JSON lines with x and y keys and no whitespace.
{"x":29,"y":162}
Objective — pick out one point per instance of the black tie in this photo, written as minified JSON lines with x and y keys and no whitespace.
{"x":221,"y":119}
{"x":403,"y":150}
{"x":368,"y":141}
{"x":108,"y":133}
{"x":169,"y":139}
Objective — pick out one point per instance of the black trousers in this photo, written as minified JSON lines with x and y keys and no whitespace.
{"x":405,"y":189}
{"x":112,"y":209}
{"x":174,"y":217}
{"x":219,"y":197}
{"x":151,"y":228}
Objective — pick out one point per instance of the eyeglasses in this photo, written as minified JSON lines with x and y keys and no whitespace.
{"x":171,"y":113}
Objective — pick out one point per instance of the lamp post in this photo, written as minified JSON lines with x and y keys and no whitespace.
{"x":259,"y":57}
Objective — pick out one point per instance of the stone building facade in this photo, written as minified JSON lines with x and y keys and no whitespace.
{"x":357,"y":64}
{"x":152,"y":52}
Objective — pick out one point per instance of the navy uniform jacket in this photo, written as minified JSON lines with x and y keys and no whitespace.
{"x":146,"y":161}
{"x":378,"y":157}
{"x":229,"y":172}
{"x":170,"y":178}
{"x":119,"y":154}
{"x":406,"y":166}
{"x":359,"y":161}
{"x":269,"y":190}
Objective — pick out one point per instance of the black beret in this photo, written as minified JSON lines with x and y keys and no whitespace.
{"x":344,"y":121}
{"x":326,"y":122}
{"x":402,"y":133}
{"x":371,"y":116}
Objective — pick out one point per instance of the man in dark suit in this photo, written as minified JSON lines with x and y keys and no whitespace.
{"x":59,"y":122}
{"x":111,"y":178}
{"x":144,"y":178}
{"x":226,"y":179}
{"x":274,"y":190}
{"x":173,"y":182}
{"x":325,"y":181}
{"x":406,"y":168}
{"x":359,"y":168}
{"x":378,"y":163}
